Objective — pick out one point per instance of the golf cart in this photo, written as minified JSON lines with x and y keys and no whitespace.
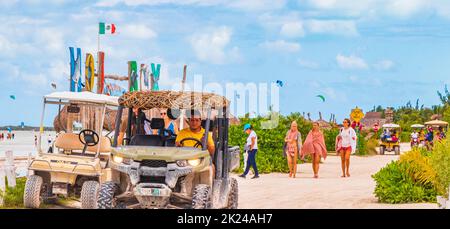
{"x":390,"y":140}
{"x":440,"y":126}
{"x":77,"y":161}
{"x":154,"y":173}
{"x":417,"y":141}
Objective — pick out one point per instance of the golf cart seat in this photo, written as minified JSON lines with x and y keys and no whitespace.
{"x":153,"y":139}
{"x":70,"y":141}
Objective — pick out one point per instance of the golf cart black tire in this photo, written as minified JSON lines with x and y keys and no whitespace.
{"x":106,"y":195}
{"x":89,"y":194}
{"x":397,"y":150}
{"x":233,"y":196}
{"x":32,"y":192}
{"x":382,"y":150}
{"x":201,"y":197}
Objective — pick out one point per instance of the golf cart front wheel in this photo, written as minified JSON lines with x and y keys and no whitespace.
{"x":89,"y":194}
{"x":32,"y":193}
{"x":382,"y":149}
{"x":201,"y":198}
{"x":397,"y":150}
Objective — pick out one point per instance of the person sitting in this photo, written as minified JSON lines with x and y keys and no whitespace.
{"x":414,"y":136}
{"x":394,"y":136}
{"x":169,"y":124}
{"x":196,"y":131}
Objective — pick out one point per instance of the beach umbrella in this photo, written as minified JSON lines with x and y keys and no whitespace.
{"x":321,"y":97}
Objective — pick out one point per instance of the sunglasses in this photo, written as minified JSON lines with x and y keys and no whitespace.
{"x":163,"y":113}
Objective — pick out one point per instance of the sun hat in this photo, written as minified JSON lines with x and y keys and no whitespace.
{"x":247,"y":126}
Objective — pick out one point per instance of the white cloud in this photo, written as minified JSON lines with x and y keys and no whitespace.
{"x":292,"y":29}
{"x":136,"y":31}
{"x":211,"y":46}
{"x":384,"y":65}
{"x":281,"y":46}
{"x":351,"y":62}
{"x":335,"y":27}
{"x":308,"y":64}
{"x":247,"y":5}
{"x":379,"y":8}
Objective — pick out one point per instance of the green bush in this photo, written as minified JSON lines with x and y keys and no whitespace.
{"x":13,"y":197}
{"x":330,"y":138}
{"x":405,"y":136}
{"x":440,"y":161}
{"x":372,"y":145}
{"x":395,"y":185}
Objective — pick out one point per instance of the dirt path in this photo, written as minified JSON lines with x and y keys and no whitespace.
{"x":329,"y":191}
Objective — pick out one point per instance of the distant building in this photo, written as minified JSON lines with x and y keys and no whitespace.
{"x":371,"y":118}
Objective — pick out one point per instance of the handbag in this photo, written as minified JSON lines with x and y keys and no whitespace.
{"x":284,"y":149}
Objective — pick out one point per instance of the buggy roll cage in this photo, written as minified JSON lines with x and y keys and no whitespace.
{"x":220,"y":136}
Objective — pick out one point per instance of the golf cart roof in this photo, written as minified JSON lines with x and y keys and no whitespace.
{"x":84,"y":96}
{"x":417,"y":126}
{"x":172,"y":99}
{"x":436,"y":123}
{"x":391,"y":125}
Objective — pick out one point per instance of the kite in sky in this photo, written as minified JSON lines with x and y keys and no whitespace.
{"x":321,"y":97}
{"x":280,"y":83}
{"x":54,"y":85}
{"x":12,"y":97}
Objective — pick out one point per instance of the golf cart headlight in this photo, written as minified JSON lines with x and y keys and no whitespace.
{"x":182,"y":163}
{"x":117,"y":159}
{"x":194,"y":162}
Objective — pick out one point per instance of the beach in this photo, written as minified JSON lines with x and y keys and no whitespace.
{"x":276,"y":190}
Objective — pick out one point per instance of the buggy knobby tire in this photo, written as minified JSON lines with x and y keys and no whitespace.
{"x":89,"y":194}
{"x":106,"y":195}
{"x":201,"y":197}
{"x":32,"y":192}
{"x":233,"y":194}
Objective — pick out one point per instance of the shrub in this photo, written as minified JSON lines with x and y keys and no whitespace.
{"x":440,"y":161}
{"x":419,"y":167}
{"x":372,"y":145}
{"x":395,"y":185}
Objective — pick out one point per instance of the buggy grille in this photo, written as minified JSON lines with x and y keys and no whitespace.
{"x":154,"y":163}
{"x":151,"y":179}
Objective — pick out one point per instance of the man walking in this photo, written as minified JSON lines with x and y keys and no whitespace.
{"x":252,"y":146}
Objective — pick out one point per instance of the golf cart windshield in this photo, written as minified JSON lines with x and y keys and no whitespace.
{"x":81,"y":121}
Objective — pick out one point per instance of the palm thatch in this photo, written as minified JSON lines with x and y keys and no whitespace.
{"x":172,"y":99}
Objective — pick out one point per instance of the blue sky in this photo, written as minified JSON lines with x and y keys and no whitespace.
{"x":363,"y":53}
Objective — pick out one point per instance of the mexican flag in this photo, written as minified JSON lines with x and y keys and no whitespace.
{"x":106,"y":28}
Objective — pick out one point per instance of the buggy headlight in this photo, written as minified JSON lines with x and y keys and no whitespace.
{"x":182,"y":163}
{"x":194,"y":162}
{"x":117,"y":159}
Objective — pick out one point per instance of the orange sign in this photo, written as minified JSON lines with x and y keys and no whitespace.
{"x":356,"y":115}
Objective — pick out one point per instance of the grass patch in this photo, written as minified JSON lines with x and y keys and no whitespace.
{"x":13,"y":197}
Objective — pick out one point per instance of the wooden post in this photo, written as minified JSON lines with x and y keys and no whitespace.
{"x":10,"y":169}
{"x":100,"y":72}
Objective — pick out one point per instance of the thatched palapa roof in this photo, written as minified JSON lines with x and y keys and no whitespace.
{"x":172,"y":99}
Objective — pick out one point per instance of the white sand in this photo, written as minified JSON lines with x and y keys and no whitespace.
{"x":277,"y":190}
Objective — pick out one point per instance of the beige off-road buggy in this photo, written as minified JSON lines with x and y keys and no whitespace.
{"x":77,"y":161}
{"x":154,"y":173}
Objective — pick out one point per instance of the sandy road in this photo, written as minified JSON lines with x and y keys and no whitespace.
{"x":329,"y":191}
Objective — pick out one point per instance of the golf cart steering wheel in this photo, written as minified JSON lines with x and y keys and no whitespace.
{"x":88,"y":138}
{"x":197,"y":142}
